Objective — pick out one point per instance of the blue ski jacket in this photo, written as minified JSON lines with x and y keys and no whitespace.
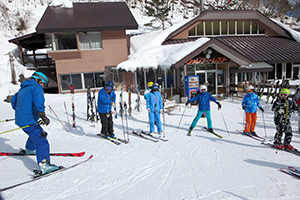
{"x":154,"y":100}
{"x":28,"y":102}
{"x":203,"y":99}
{"x":104,"y":100}
{"x":251,"y":101}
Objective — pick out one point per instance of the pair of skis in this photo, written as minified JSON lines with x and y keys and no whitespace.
{"x":291,"y":171}
{"x":114,"y":140}
{"x":22,"y":153}
{"x":147,"y":136}
{"x":38,"y":175}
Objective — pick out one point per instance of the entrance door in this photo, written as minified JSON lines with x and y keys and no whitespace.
{"x":208,"y":77}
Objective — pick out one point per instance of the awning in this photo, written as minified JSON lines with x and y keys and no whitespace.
{"x":253,"y":67}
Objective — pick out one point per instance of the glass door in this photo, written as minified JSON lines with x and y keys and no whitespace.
{"x":208,"y":78}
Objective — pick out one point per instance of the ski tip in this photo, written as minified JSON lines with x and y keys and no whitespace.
{"x":90,"y":157}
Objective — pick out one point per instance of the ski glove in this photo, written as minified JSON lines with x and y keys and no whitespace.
{"x":244,"y":107}
{"x":280,"y":111}
{"x":45,"y":119}
{"x":148,"y":110}
{"x":262,"y":110}
{"x":219,"y":106}
{"x":161,"y":111}
{"x":187,"y":103}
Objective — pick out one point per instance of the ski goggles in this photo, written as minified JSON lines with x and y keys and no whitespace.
{"x":283,"y":95}
{"x":250,"y":90}
{"x":203,"y":90}
{"x":108,"y":87}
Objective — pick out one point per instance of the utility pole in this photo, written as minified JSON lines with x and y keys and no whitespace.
{"x":12,"y":68}
{"x":201,"y":6}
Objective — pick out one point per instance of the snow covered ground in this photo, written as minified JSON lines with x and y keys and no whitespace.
{"x":198,"y":167}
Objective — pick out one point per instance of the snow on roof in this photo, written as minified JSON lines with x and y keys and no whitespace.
{"x":62,"y":3}
{"x":147,"y":51}
{"x":295,"y":34}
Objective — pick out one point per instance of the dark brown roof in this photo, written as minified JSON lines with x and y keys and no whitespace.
{"x":87,"y":17}
{"x":264,"y":49}
{"x":248,"y":49}
{"x":30,"y":41}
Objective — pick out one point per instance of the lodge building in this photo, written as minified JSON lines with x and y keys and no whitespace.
{"x":241,"y":46}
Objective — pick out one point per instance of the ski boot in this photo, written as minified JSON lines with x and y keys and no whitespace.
{"x":289,"y":147}
{"x":253,"y":133}
{"x":27,"y":152}
{"x":190,"y":131}
{"x":246,"y":133}
{"x":210,"y":130}
{"x":45,"y":167}
{"x":279,"y":146}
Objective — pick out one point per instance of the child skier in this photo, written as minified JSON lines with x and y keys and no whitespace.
{"x":28,"y":104}
{"x":154,"y":107}
{"x":106,"y":99}
{"x":203,"y":99}
{"x":249,"y":104}
{"x":283,"y":107}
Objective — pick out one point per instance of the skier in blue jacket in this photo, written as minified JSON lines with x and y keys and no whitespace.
{"x":106,"y":99}
{"x":250,"y":104}
{"x":154,"y":107}
{"x":203,"y":99}
{"x":28,"y":104}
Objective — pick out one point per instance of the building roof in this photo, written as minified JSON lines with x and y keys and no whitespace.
{"x":248,"y":49}
{"x":96,"y":16}
{"x":233,"y":15}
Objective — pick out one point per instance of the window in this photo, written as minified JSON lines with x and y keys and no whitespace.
{"x":231,"y":27}
{"x":64,"y":41}
{"x":216,"y":28}
{"x":82,"y":80}
{"x":288,"y":70}
{"x":94,"y":80}
{"x":240,"y":27}
{"x":90,"y":40}
{"x":224,"y":28}
{"x":247,"y":27}
{"x":279,"y":70}
{"x":208,"y":28}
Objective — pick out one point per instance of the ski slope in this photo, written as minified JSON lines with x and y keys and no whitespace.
{"x":202,"y":166}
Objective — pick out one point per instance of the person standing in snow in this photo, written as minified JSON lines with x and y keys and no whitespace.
{"x":283,"y":107}
{"x":106,"y":99}
{"x":249,"y":104}
{"x":28,"y":104}
{"x":203,"y":98}
{"x":154,"y":107}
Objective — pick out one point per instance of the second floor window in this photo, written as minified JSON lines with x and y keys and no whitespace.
{"x":90,"y":40}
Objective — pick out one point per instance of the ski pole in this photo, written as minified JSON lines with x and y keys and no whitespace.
{"x":263,"y":115}
{"x":121,"y":113}
{"x":181,"y":118}
{"x":7,"y":120}
{"x":125,"y":107}
{"x":20,"y":128}
{"x":57,"y":117}
{"x":225,"y":123}
{"x":164,"y":124}
{"x":67,"y":115}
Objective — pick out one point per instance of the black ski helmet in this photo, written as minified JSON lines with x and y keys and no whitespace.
{"x":155,"y":87}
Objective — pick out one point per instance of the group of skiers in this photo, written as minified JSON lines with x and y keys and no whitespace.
{"x":29,"y":107}
{"x":282,"y":108}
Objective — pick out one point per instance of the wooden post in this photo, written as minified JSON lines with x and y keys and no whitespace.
{"x":12,"y":68}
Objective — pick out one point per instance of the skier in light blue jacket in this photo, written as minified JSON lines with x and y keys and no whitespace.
{"x":154,"y":107}
{"x":250,"y":104}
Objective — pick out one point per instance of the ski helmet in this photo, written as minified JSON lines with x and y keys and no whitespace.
{"x":284,"y":92}
{"x":109,"y":85}
{"x":250,"y":87}
{"x":203,"y":88}
{"x":155,"y":87}
{"x":39,"y":76}
{"x":150,"y":84}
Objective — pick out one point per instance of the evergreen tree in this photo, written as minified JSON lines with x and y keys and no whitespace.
{"x":159,"y":9}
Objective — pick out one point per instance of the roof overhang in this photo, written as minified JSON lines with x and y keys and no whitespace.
{"x":32,"y":41}
{"x":221,"y":48}
{"x":253,"y":67}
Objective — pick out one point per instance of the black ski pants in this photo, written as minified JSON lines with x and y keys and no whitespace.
{"x":285,"y":128}
{"x":107,"y":124}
